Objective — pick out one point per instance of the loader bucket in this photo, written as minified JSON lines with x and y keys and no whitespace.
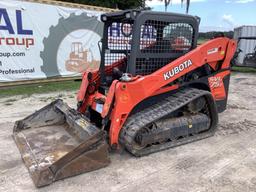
{"x":58,"y":142}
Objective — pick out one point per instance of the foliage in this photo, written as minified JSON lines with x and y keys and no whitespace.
{"x":211,"y":34}
{"x":167,"y":3}
{"x":115,"y":4}
{"x":121,"y":4}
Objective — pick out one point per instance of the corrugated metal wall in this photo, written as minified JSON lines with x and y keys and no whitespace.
{"x":247,"y":46}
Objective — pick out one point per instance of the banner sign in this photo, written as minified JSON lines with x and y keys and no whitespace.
{"x":40,"y":40}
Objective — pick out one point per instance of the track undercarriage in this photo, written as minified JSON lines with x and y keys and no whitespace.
{"x":186,"y":116}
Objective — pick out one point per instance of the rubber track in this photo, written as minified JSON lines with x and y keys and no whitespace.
{"x":157,"y":111}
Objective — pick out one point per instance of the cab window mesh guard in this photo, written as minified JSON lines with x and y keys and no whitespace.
{"x":160,"y":38}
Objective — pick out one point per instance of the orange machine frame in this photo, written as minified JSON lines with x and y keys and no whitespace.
{"x":126,"y":95}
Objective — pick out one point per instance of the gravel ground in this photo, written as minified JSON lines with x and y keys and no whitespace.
{"x":225,"y":162}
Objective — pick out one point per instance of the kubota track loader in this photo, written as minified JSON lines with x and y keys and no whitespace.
{"x":155,"y":89}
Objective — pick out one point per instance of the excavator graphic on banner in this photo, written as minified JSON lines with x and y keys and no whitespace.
{"x":78,"y":59}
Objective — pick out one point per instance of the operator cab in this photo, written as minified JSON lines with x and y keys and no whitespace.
{"x":139,"y":42}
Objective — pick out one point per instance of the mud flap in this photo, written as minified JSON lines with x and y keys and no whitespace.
{"x":58,"y":142}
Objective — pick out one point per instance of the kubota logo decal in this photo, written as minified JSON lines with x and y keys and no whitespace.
{"x":177,"y":70}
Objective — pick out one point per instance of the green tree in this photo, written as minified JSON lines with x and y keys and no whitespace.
{"x":124,"y":4}
{"x":116,"y":4}
{"x":167,"y":3}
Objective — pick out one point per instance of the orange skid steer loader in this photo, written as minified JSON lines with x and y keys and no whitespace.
{"x":155,"y":89}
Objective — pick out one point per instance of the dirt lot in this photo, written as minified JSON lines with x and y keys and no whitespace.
{"x":225,"y":162}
